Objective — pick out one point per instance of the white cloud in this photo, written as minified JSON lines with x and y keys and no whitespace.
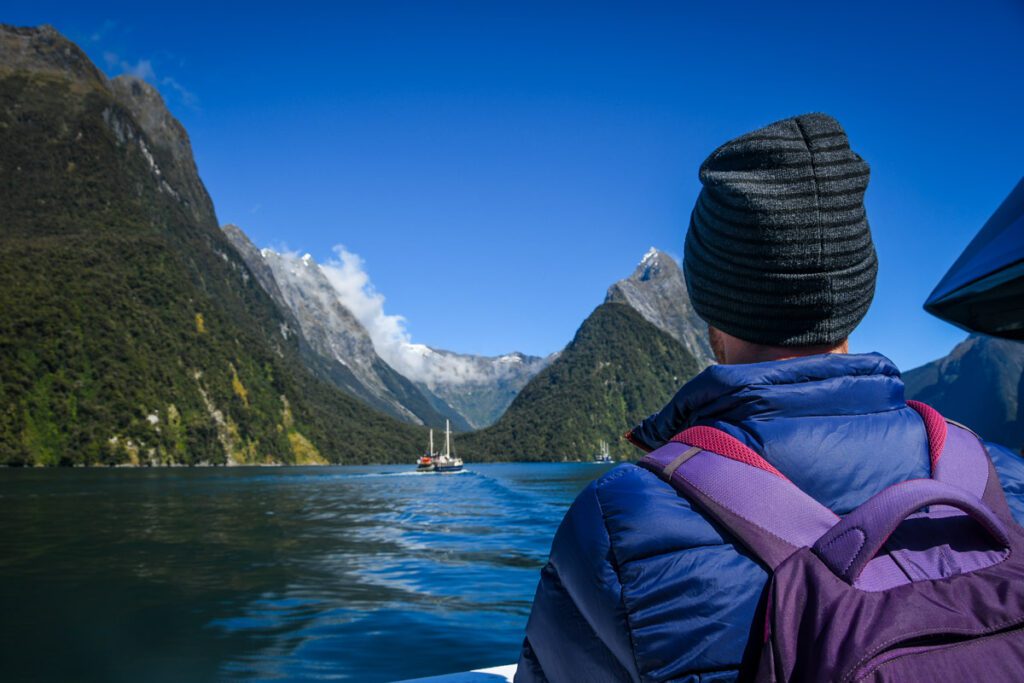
{"x":347,"y":275}
{"x":391,"y":339}
{"x":188,"y":97}
{"x":141,"y":69}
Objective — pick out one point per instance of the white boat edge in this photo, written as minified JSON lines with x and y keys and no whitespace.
{"x":496,"y":674}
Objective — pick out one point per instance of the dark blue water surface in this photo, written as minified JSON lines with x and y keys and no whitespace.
{"x":340,"y":573}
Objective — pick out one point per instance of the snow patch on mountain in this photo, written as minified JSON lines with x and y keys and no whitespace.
{"x":651,"y":254}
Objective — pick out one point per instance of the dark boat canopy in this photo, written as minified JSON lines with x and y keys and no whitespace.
{"x":984,"y":290}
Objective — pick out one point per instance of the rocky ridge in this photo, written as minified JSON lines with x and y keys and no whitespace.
{"x":980,"y":384}
{"x":657,"y":291}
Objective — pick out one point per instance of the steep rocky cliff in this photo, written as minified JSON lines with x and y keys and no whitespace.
{"x":413,"y":382}
{"x":344,"y":352}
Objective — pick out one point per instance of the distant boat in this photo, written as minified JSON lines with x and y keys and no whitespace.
{"x":426,"y":461}
{"x":446,"y":462}
{"x":604,"y":455}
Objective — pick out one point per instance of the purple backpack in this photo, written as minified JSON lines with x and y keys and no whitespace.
{"x":887,"y":593}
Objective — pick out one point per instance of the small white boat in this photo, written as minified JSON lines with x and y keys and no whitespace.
{"x":604,"y":455}
{"x":447,"y":462}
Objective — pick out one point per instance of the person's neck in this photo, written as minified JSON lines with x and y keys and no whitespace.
{"x":761,"y":354}
{"x":730,"y":350}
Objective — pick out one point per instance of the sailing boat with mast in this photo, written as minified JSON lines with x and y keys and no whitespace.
{"x":426,"y":461}
{"x":447,"y":461}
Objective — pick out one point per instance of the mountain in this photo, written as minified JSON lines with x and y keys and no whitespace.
{"x":132,"y":330}
{"x":413,"y":382}
{"x":472,"y":390}
{"x":657,"y":291}
{"x":618,"y":369}
{"x":980,"y":383}
{"x":346,"y":355}
{"x":178,"y":175}
{"x":480,"y":388}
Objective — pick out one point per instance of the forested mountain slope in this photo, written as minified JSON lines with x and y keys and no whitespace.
{"x":132,"y":332}
{"x":618,"y":369}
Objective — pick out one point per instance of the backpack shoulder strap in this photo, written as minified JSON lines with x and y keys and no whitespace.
{"x":742,"y":491}
{"x":959,"y":457}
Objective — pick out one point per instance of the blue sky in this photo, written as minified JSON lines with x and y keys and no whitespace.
{"x":497,"y":165}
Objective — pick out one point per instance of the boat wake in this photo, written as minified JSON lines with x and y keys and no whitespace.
{"x":411,"y":473}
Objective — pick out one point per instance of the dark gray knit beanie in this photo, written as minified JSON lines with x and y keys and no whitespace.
{"x":779,"y":251}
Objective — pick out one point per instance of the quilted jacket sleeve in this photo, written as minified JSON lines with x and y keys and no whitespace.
{"x":1010,"y":468}
{"x":578,"y":630}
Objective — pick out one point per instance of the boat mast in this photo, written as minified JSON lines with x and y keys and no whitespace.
{"x":447,"y":440}
{"x":431,"y":451}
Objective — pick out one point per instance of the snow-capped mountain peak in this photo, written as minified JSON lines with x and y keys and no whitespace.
{"x":657,"y":291}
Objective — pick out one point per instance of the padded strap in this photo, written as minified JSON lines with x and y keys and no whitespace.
{"x":959,"y":457}
{"x":935,"y":427}
{"x":740,"y":490}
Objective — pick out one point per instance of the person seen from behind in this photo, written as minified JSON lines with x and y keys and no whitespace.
{"x":647,"y":582}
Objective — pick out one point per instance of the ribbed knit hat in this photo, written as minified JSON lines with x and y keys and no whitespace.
{"x":779,"y":251}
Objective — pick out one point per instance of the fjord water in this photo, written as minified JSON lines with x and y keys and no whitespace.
{"x":333,"y":573}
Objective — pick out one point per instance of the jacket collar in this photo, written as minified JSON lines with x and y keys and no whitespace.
{"x":827,"y":384}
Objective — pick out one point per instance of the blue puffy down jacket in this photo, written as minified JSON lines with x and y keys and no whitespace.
{"x":640,"y":585}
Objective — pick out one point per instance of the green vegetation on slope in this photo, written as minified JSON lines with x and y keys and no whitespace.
{"x":131,"y":331}
{"x":617,"y":370}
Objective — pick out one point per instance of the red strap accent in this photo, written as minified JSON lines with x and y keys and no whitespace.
{"x":936,"y":428}
{"x":717,"y":441}
{"x":630,"y":437}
